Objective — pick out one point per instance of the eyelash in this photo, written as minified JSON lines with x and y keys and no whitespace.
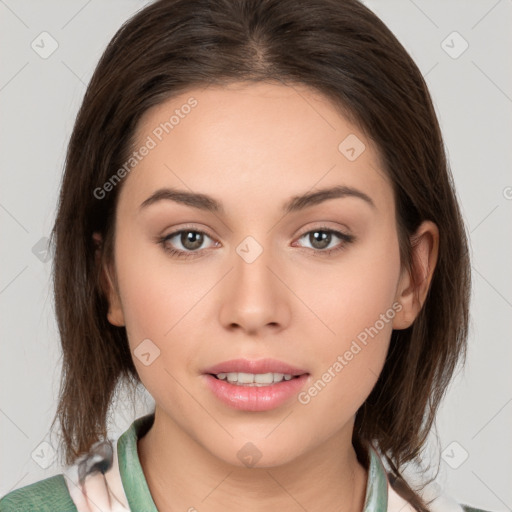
{"x":346,"y":239}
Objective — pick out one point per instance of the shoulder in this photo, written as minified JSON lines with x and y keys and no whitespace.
{"x":48,"y":495}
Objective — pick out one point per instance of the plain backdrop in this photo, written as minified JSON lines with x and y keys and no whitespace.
{"x":463,"y":50}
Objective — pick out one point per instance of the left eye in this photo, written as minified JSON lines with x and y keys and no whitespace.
{"x":321,"y":238}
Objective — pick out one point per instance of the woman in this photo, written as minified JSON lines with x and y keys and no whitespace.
{"x":257,"y":222}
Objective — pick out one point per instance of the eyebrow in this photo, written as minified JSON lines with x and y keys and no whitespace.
{"x":296,"y":203}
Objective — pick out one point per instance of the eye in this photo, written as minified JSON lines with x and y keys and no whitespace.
{"x":322,"y":238}
{"x":190,"y":239}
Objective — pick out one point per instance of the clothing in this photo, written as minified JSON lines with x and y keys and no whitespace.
{"x":123,"y":487}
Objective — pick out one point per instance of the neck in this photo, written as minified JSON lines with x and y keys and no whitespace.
{"x":183,"y":475}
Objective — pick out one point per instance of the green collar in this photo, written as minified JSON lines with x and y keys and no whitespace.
{"x":139,"y":497}
{"x":132,"y":476}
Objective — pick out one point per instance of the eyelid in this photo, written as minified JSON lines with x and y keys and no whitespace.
{"x":322,"y":226}
{"x":188,"y":227}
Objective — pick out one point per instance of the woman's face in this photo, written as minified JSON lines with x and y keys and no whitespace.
{"x":310,"y":283}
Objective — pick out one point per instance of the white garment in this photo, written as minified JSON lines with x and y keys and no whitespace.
{"x":99,"y":493}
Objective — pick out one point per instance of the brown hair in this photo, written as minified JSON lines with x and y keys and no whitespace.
{"x":338,"y":47}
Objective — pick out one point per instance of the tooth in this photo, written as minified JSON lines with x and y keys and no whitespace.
{"x":245,"y":378}
{"x":250,"y":379}
{"x":265,"y":378}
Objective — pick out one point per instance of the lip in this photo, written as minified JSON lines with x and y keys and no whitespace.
{"x":255,"y":398}
{"x":258,"y":366}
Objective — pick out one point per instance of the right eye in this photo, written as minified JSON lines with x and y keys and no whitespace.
{"x":190,"y":239}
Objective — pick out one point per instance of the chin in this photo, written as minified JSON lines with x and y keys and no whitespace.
{"x":256,"y":453}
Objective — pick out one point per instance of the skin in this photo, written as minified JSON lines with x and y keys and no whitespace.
{"x":253,"y":147}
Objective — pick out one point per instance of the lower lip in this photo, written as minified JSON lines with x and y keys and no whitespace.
{"x":255,"y":398}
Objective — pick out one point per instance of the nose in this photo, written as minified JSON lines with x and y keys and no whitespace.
{"x":254,"y":297}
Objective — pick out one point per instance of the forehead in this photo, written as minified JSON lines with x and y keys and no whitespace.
{"x":258,"y":141}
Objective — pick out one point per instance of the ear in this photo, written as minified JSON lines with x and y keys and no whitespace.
{"x":115,"y":311}
{"x":413,"y":285}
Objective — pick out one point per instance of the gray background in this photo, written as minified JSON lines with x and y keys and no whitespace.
{"x":39,"y":98}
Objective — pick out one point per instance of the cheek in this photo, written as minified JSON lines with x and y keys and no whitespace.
{"x":358,"y":290}
{"x":158,"y":311}
{"x":157,"y":300}
{"x":155,"y":291}
{"x":358,"y":309}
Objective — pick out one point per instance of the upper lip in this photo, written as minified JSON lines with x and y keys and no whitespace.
{"x":251,"y":366}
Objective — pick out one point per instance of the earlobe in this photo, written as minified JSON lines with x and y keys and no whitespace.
{"x":115,"y":312}
{"x":415,"y":282}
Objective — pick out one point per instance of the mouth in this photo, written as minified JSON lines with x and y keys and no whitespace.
{"x":259,"y":385}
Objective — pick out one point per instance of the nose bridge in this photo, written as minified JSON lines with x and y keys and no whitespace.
{"x":253,"y":298}
{"x":252,"y":263}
